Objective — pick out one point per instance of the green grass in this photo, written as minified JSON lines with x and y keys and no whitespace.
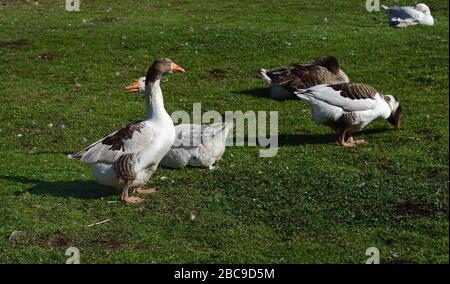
{"x":315,"y":202}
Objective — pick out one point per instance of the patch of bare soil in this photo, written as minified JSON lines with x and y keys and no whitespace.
{"x":14,"y":43}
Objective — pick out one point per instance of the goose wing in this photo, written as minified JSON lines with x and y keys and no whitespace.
{"x":215,"y":132}
{"x":189,"y":136}
{"x":312,"y":75}
{"x":301,"y":76}
{"x":404,"y":14}
{"x":130,"y":139}
{"x":349,"y":97}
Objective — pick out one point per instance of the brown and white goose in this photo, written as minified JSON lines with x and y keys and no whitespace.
{"x":284,"y":81}
{"x":195,"y":145}
{"x":130,"y":155}
{"x":350,"y":107}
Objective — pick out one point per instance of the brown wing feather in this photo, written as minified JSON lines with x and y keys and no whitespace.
{"x":301,"y":76}
{"x":312,"y":76}
{"x":355,"y":91}
{"x":115,"y":140}
{"x":118,"y":138}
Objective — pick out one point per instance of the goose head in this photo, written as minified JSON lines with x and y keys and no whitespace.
{"x":423,"y":8}
{"x":329,"y":62}
{"x":160,"y":67}
{"x":396,"y":111}
{"x":137,"y":86}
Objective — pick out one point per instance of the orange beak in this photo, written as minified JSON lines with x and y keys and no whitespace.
{"x":134,"y":87}
{"x":176,"y":68}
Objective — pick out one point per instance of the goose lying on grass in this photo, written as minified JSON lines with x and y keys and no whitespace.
{"x":350,"y":107}
{"x":284,"y":81}
{"x":130,"y":155}
{"x":402,"y":17}
{"x":195,"y":145}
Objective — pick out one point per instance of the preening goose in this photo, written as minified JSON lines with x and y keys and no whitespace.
{"x":130,"y":155}
{"x":402,"y":17}
{"x":284,"y":81}
{"x":195,"y":145}
{"x":350,"y":107}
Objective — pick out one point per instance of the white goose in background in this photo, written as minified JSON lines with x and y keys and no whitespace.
{"x":195,"y":145}
{"x":284,"y":81}
{"x":402,"y":17}
{"x":130,"y":155}
{"x":350,"y":107}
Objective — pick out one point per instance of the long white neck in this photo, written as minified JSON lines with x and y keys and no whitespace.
{"x":154,"y":101}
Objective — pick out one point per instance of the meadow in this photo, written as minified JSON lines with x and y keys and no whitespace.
{"x":62,"y":87}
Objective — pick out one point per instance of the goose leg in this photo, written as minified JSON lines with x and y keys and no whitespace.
{"x":342,"y":141}
{"x":141,"y":190}
{"x":126,"y":199}
{"x":357,"y":142}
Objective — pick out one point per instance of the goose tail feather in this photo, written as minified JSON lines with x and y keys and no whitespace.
{"x":264,"y":76}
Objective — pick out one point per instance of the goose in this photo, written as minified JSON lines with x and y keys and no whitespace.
{"x":350,"y":107}
{"x":402,"y":17}
{"x":284,"y":81}
{"x":195,"y":145}
{"x":129,"y":156}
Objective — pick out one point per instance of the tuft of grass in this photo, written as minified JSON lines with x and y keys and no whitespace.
{"x":63,"y":77}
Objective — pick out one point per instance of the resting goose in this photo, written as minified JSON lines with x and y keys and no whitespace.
{"x":350,"y":107}
{"x":195,"y":145}
{"x":130,"y":155}
{"x":402,"y":17}
{"x":284,"y":81}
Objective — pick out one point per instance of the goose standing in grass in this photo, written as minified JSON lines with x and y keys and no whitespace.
{"x":402,"y":17}
{"x":130,"y":155}
{"x":350,"y":107}
{"x":195,"y":145}
{"x":284,"y":81}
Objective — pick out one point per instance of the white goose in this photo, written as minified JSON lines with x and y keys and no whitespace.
{"x":129,"y":156}
{"x":350,"y":107}
{"x":284,"y":81}
{"x":195,"y":145}
{"x":402,"y":17}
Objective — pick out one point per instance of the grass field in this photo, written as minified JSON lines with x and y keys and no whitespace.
{"x":62,"y":86}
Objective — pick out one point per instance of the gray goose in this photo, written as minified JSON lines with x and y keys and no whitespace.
{"x":129,"y":156}
{"x":284,"y":81}
{"x":347,"y":108}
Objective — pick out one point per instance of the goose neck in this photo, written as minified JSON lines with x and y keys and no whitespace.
{"x":154,"y":100}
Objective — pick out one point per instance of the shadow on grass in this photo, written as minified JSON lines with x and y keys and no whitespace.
{"x":314,"y":139}
{"x":305,"y":139}
{"x":81,"y":189}
{"x":258,"y":92}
